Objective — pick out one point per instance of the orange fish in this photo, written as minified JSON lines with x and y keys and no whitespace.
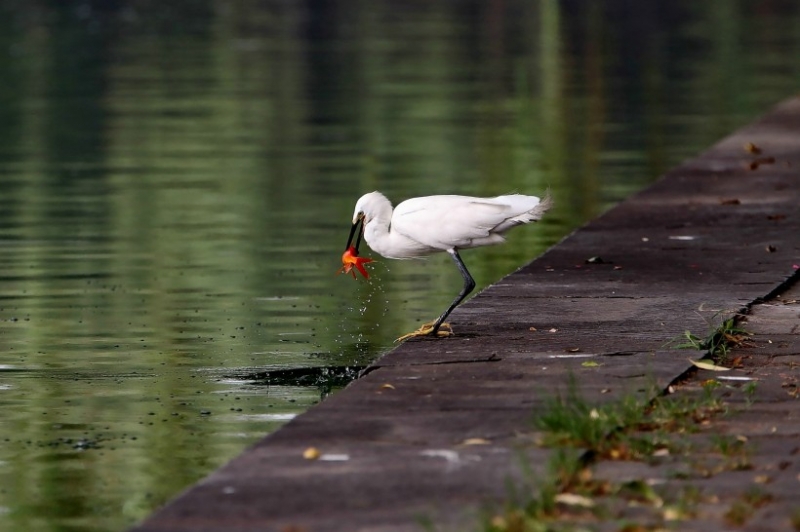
{"x":350,"y":259}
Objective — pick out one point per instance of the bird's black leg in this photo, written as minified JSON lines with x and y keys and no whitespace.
{"x":469,"y":285}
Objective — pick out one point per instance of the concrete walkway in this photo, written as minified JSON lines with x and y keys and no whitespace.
{"x":737,"y":468}
{"x":437,"y":429}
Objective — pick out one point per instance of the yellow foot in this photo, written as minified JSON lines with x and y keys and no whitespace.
{"x":426,"y":329}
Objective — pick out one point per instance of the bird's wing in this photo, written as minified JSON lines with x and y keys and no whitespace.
{"x":445,"y":222}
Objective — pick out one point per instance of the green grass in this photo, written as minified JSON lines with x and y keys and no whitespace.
{"x":749,"y":390}
{"x":540,"y":509}
{"x":795,"y":519}
{"x":746,"y":504}
{"x":717,"y":343}
{"x":627,"y":429}
{"x":727,"y":445}
{"x":572,"y":421}
{"x":568,"y":498}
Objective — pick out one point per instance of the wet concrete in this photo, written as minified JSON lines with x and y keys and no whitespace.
{"x":438,"y":429}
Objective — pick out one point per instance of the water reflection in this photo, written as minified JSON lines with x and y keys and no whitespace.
{"x":176,"y":185}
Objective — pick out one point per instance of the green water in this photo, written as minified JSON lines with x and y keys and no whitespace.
{"x":177,"y":182}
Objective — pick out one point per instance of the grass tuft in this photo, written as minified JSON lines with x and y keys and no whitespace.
{"x":717,"y":343}
{"x":569,"y":498}
{"x":743,"y":507}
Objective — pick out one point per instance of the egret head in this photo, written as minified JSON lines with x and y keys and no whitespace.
{"x":369,"y":205}
{"x":366,"y":208}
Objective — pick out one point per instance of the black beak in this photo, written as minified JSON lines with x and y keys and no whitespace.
{"x":358,"y":226}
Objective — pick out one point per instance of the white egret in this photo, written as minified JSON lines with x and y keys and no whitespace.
{"x":421,"y":226}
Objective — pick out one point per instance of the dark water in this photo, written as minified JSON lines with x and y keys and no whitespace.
{"x":177,"y":181}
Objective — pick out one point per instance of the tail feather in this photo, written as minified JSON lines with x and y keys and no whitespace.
{"x":532,"y":213}
{"x":536,"y":213}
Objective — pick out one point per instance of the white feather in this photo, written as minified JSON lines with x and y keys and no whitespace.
{"x":425,"y":225}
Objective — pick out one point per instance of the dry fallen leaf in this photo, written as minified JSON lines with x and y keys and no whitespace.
{"x":755,"y":163}
{"x":293,"y":528}
{"x":672,"y":513}
{"x":475,"y":441}
{"x":498,"y":521}
{"x":312,"y":453}
{"x":573,"y":499}
{"x":752,"y":148}
{"x":387,"y":386}
{"x":532,"y":329}
{"x":553,"y":330}
{"x":708,"y":365}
